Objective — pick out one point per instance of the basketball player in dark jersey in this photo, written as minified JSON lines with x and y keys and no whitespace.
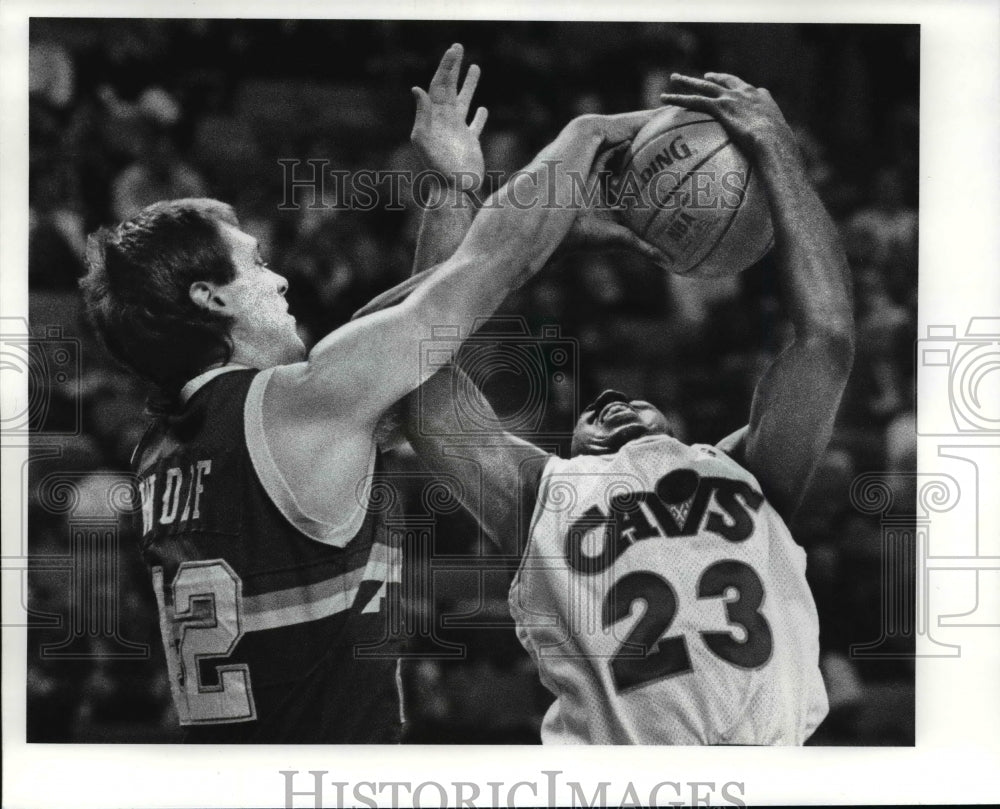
{"x":660,"y":591}
{"x":273,"y":569}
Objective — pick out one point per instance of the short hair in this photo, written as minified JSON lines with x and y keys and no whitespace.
{"x":137,"y":292}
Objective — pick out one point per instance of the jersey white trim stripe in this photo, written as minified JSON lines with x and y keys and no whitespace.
{"x":311,"y":602}
{"x":277,"y":487}
{"x":192,"y":386}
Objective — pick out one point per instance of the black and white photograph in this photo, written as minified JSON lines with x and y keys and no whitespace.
{"x":447,"y":384}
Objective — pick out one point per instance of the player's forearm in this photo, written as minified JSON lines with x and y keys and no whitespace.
{"x":814,"y":274}
{"x":514,"y":233}
{"x":796,"y":400}
{"x":499,"y":472}
{"x":445,"y":221}
{"x":505,"y":238}
{"x":512,"y":236}
{"x":394,"y":296}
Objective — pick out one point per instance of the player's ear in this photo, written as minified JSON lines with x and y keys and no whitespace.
{"x":207,"y":296}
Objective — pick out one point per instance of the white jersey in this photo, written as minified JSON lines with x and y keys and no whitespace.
{"x":665,"y":602}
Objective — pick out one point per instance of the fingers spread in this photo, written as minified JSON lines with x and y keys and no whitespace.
{"x":479,"y":121}
{"x":689,"y":84}
{"x":697,"y":103}
{"x":423,"y":105}
{"x":446,"y":74}
{"x":468,"y":88}
{"x":454,"y":65}
{"x":727,"y":80}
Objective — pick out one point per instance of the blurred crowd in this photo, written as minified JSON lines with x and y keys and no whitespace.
{"x":127,"y":112}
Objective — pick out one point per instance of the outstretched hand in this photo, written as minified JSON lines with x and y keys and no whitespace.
{"x":440,"y":133}
{"x":748,"y":113}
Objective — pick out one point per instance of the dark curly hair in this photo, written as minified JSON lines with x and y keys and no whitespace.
{"x":137,"y":296}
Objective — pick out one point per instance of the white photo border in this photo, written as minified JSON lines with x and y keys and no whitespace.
{"x":958,"y":700}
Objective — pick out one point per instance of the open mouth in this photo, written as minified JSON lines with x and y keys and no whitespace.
{"x":617,"y":412}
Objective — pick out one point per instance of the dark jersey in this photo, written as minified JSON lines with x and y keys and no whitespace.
{"x":271,"y":635}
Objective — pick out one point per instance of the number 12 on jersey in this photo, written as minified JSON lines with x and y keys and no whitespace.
{"x":202,"y":621}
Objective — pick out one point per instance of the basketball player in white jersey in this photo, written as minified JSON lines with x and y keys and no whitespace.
{"x":660,"y":591}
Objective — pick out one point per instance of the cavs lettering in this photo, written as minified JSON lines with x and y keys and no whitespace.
{"x":678,"y":507}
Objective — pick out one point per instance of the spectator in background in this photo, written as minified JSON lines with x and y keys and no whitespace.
{"x":51,"y":77}
{"x":887,"y":226}
{"x":158,"y":172}
{"x":56,"y":227}
{"x":79,"y":145}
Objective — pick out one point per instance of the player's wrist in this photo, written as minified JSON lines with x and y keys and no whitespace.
{"x":457,"y":188}
{"x":457,"y":182}
{"x":776,"y":154}
{"x":771,"y":139}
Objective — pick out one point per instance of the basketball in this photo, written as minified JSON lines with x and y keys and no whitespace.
{"x":687,"y":189}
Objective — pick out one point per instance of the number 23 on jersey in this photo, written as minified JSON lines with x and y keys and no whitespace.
{"x":646,"y":655}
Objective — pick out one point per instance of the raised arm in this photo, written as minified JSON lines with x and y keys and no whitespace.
{"x":449,"y":147}
{"x":359,"y":370}
{"x":499,"y":471}
{"x":796,"y":400}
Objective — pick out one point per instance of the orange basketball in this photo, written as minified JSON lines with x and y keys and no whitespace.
{"x":688,"y":189}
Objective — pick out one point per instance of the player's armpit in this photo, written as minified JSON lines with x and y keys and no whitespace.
{"x":735,"y":445}
{"x":393,"y":296}
{"x":362,"y":368}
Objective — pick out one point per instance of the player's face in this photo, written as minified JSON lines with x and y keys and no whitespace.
{"x":256,"y":299}
{"x":612,"y":420}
